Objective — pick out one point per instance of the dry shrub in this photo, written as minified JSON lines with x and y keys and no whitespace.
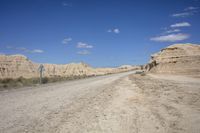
{"x":21,"y":81}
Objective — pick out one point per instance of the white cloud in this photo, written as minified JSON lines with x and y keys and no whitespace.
{"x":84,"y":52}
{"x":65,"y":4}
{"x":83,"y":45}
{"x":171,"y":38}
{"x":9,"y":47}
{"x":182,"y":24}
{"x":189,"y":11}
{"x":191,"y":8}
{"x":37,"y":51}
{"x":66,"y":40}
{"x":115,"y":30}
{"x":173,"y":31}
{"x":184,"y":14}
{"x":22,"y":49}
{"x":18,"y":48}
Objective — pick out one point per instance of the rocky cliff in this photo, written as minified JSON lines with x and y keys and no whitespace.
{"x":176,"y":59}
{"x":17,"y":65}
{"x":14,"y":66}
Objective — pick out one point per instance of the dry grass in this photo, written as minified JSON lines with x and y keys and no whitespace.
{"x":21,"y":81}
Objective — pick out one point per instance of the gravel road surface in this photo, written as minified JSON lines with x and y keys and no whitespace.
{"x":119,"y":103}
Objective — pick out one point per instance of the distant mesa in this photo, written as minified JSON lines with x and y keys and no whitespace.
{"x":176,"y":59}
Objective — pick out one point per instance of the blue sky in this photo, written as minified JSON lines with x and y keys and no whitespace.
{"x":98,"y":32}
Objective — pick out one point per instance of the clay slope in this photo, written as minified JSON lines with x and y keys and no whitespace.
{"x":176,"y":59}
{"x":14,"y":66}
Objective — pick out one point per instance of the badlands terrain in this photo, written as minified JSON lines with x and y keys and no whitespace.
{"x":181,"y":59}
{"x":15,"y":66}
{"x":164,"y":99}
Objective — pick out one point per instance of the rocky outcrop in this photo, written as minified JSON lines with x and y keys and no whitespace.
{"x":67,"y":70}
{"x":17,"y":65}
{"x":176,"y":59}
{"x":14,"y":66}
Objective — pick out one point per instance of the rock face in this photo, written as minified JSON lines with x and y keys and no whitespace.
{"x":67,"y":70}
{"x":176,"y":59}
{"x":15,"y":66}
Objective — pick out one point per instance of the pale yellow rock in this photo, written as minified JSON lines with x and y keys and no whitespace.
{"x":14,"y":66}
{"x":17,"y":65}
{"x":176,"y":59}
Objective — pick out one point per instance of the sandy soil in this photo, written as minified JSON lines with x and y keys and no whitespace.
{"x":172,"y":102}
{"x":120,"y":103}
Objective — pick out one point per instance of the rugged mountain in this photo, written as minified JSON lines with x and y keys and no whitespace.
{"x":14,"y":66}
{"x":176,"y":59}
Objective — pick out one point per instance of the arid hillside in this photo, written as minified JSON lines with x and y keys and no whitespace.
{"x":176,"y":59}
{"x":14,"y":66}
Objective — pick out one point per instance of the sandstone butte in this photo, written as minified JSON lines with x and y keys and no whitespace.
{"x":176,"y":59}
{"x":15,"y":66}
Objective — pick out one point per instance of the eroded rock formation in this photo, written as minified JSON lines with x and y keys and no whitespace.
{"x":176,"y":59}
{"x":17,"y":65}
{"x":14,"y":66}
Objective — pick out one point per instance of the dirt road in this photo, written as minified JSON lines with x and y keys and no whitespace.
{"x":120,"y":103}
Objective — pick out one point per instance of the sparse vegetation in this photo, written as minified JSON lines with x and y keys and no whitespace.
{"x":21,"y":81}
{"x":143,"y":74}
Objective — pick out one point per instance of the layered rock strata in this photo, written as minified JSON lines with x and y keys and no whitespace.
{"x":176,"y":59}
{"x":15,"y":66}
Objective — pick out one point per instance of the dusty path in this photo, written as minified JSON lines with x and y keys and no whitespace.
{"x":120,"y":103}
